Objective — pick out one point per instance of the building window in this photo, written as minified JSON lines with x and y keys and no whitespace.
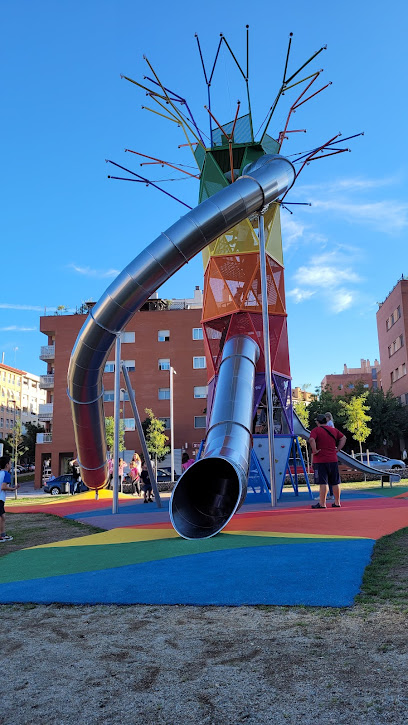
{"x":129,"y":423}
{"x":108,"y":396}
{"x":1,"y":422}
{"x":396,"y":345}
{"x":127,"y":336}
{"x":110,"y":367}
{"x":163,"y":335}
{"x":392,"y":319}
{"x":340,"y":387}
{"x":197,"y":333}
{"x":164,"y":393}
{"x":199,"y":421}
{"x":166,"y":422}
{"x":366,"y":385}
{"x":350,"y":386}
{"x":164,"y":364}
{"x":199,"y":362}
{"x":129,"y":365}
{"x":200,"y":391}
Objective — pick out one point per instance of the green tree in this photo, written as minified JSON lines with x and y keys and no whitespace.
{"x":30,"y":438}
{"x":109,"y":432}
{"x":389,"y":419}
{"x":356,"y":418}
{"x":155,"y":436}
{"x":302,"y":412}
{"x":326,"y":402}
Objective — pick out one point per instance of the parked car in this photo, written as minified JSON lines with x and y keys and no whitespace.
{"x":380,"y":462}
{"x":62,"y":484}
{"x":163,"y":475}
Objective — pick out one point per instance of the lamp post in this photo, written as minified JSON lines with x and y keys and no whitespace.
{"x":172,"y":372}
{"x":14,"y":444}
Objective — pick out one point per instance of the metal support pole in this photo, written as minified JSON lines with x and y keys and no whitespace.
{"x":116,"y":423}
{"x":141,"y":436}
{"x":172,"y":372}
{"x":267,"y":355}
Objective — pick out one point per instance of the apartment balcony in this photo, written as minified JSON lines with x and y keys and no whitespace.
{"x":46,"y":382}
{"x":44,"y":438}
{"x":47,"y":352}
{"x":45,"y":412}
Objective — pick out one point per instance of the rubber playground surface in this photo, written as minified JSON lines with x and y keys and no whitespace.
{"x":292,"y":555}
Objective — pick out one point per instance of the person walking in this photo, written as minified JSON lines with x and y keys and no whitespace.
{"x":5,"y":485}
{"x":325,"y":442}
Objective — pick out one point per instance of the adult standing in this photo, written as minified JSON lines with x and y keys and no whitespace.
{"x":135,"y":471}
{"x":5,"y":485}
{"x":330,"y":424}
{"x":75,"y":486}
{"x":325,"y":443}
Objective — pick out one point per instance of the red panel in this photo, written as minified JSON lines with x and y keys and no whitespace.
{"x":215,"y":334}
{"x":281,"y":363}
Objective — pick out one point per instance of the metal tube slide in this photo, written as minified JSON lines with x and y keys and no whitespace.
{"x":344,"y":458}
{"x":213,"y":488}
{"x":144,"y":275}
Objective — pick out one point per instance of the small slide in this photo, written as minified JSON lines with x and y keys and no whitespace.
{"x":344,"y":458}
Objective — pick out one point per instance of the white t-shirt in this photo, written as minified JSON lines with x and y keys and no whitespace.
{"x":330,"y":424}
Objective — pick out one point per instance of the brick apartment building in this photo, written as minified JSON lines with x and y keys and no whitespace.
{"x":20,"y":397}
{"x":367,"y":374}
{"x":392,"y":327}
{"x":159,"y":335}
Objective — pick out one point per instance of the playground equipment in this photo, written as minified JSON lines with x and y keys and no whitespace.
{"x":243,"y":184}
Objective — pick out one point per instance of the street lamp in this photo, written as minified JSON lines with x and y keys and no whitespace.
{"x":172,"y":372}
{"x":14,"y":444}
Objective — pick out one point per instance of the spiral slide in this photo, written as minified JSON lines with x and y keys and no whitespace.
{"x":261,"y":183}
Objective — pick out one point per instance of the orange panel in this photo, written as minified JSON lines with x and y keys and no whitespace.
{"x":218,"y":299}
{"x":253,"y":299}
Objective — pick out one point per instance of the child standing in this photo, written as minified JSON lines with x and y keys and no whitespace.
{"x":146,"y":485}
{"x":5,"y":481}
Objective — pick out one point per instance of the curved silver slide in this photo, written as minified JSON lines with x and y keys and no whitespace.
{"x":262,"y":183}
{"x":300,"y":430}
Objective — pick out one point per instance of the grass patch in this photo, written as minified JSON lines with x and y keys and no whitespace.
{"x":36,"y":529}
{"x":386,"y":577}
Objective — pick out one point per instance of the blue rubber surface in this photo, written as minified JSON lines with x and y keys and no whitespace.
{"x":317,"y":574}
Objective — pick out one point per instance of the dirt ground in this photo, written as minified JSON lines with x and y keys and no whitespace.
{"x":215,"y":666}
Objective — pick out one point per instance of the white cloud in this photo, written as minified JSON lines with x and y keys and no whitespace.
{"x":386,"y":216}
{"x":89,"y":272}
{"x":341,"y":300}
{"x":330,"y":274}
{"x":27,"y":308}
{"x":16,"y":328}
{"x":299,"y":295}
{"x":349,"y":184}
{"x":324,"y":275}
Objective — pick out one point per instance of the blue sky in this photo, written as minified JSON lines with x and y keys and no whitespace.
{"x":66,"y":229}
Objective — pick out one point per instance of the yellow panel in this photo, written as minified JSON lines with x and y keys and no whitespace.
{"x":239,"y":240}
{"x":274,"y":237}
{"x":114,"y":536}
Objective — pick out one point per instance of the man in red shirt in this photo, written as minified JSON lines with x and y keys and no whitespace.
{"x":325,"y":442}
